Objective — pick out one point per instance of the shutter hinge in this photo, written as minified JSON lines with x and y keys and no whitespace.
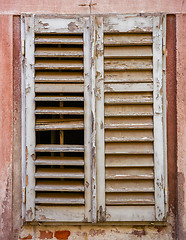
{"x":24,"y":195}
{"x":23,"y":47}
{"x":165,"y":194}
{"x":164,"y":45}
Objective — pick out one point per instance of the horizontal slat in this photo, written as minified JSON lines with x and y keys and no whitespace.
{"x":129,"y":186}
{"x":59,"y":64}
{"x":128,"y":87}
{"x":128,"y":76}
{"x":70,"y":125}
{"x":59,"y":76}
{"x":129,"y":148}
{"x":129,"y":199}
{"x":59,"y":98}
{"x":59,"y":110}
{"x":128,"y":122}
{"x":59,"y":25}
{"x":59,"y":52}
{"x":128,"y":110}
{"x":129,"y":173}
{"x":128,"y":52}
{"x":66,"y":186}
{"x":59,"y":148}
{"x":71,"y":161}
{"x":59,"y":173}
{"x":59,"y":198}
{"x":130,"y":213}
{"x":60,"y":214}
{"x":59,"y":88}
{"x":128,"y":98}
{"x":129,"y":160}
{"x":127,"y":39}
{"x":128,"y":23}
{"x":59,"y":39}
{"x":127,"y":64}
{"x":128,"y":135}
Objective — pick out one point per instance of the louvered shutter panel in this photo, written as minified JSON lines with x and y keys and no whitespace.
{"x":130,"y":137}
{"x":58,"y":125}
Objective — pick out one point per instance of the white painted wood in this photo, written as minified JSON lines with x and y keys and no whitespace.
{"x":56,"y":39}
{"x":93,"y":130}
{"x":87,"y":120}
{"x":100,"y":144}
{"x":128,"y":87}
{"x":128,"y":23}
{"x":56,"y":213}
{"x":30,"y":118}
{"x":158,"y":118}
{"x":130,"y":213}
{"x":59,"y":25}
{"x":58,"y":148}
{"x":58,"y":88}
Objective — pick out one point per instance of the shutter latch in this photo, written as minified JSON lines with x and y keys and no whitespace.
{"x":164,"y":45}
{"x":165,"y":191}
{"x":23,"y":47}
{"x":24,"y":195}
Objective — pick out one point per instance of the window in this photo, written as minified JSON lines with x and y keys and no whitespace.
{"x":94,"y":137}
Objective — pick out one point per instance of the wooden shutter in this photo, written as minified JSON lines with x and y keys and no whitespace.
{"x":58,"y":124}
{"x":129,"y":114}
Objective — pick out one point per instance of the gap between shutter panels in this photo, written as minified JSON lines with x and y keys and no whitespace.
{"x":59,"y":111}
{"x":128,"y":121}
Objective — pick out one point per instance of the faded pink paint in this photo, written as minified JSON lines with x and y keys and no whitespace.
{"x":6,"y":134}
{"x":99,"y":6}
{"x":181,"y":122}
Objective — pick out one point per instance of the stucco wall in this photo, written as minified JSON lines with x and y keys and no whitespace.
{"x":10,"y":127}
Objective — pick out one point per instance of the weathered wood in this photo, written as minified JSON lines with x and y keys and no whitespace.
{"x":129,"y":173}
{"x":128,"y":87}
{"x":59,"y":173}
{"x":59,"y":76}
{"x":127,"y":160}
{"x":69,"y":161}
{"x":57,"y":198}
{"x":30,"y":117}
{"x":129,"y":199}
{"x":59,"y":39}
{"x":130,"y":213}
{"x":71,"y":125}
{"x":58,"y":110}
{"x":59,"y":25}
{"x":128,"y":23}
{"x":64,"y":213}
{"x":58,"y":64}
{"x":66,"y":186}
{"x":58,"y":88}
{"x":122,"y":39}
{"x":158,"y":118}
{"x":59,"y":98}
{"x":58,"y":52}
{"x":128,"y":52}
{"x":59,"y":148}
{"x":130,"y":186}
{"x":121,"y":64}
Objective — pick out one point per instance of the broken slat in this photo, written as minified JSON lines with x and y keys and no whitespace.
{"x":59,"y":98}
{"x":59,"y":173}
{"x":71,"y":125}
{"x":123,"y":39}
{"x":58,"y":148}
{"x":66,"y":186}
{"x":59,"y":110}
{"x":57,"y":198}
{"x":129,"y":173}
{"x":129,"y":186}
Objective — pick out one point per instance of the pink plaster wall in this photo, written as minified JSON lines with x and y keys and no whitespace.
{"x":93,"y":6}
{"x":181,"y":122}
{"x":6,"y":133}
